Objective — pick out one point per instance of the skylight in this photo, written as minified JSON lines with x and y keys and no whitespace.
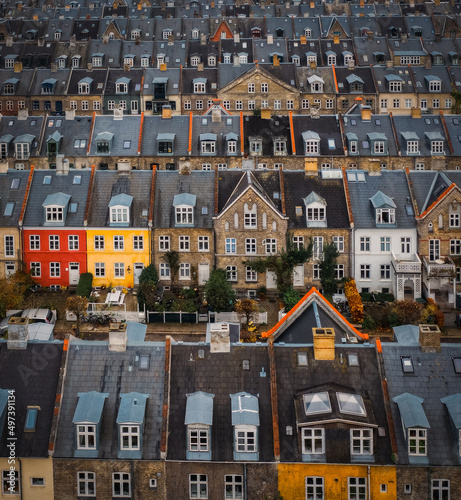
{"x":351,"y":404}
{"x":47,"y":179}
{"x":9,"y":209}
{"x":15,"y":183}
{"x":407,"y":364}
{"x":317,"y":403}
{"x":353,"y":359}
{"x":457,"y":364}
{"x":77,"y":179}
{"x":144,"y":362}
{"x":302,"y":358}
{"x":31,"y":418}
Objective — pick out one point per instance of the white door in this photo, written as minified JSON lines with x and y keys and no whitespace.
{"x":271,"y":282}
{"x":134,"y":107}
{"x":138,"y":267}
{"x":74,"y":273}
{"x":203,"y":273}
{"x":298,"y":275}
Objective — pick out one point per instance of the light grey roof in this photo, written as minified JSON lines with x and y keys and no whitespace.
{"x":6,"y":138}
{"x":89,"y":407}
{"x":379,"y":199}
{"x":61,"y":199}
{"x":184,"y":199}
{"x":86,"y":80}
{"x":453,"y":404}
{"x":313,"y":197}
{"x":407,"y":334}
{"x":121,"y":199}
{"x":199,"y":408}
{"x":245,"y":409}
{"x":434,"y":136}
{"x":24,"y":138}
{"x":105,"y":136}
{"x":14,"y":81}
{"x":354,"y":78}
{"x":159,"y":79}
{"x":122,"y":133}
{"x":55,"y":136}
{"x":308,"y":135}
{"x":376,"y":136}
{"x":208,"y":137}
{"x":411,"y":410}
{"x":410,"y":136}
{"x":176,"y":125}
{"x":132,"y":408}
{"x":166,"y":137}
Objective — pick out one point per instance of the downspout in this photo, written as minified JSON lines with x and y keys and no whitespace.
{"x":369,"y":484}
{"x":245,"y":481}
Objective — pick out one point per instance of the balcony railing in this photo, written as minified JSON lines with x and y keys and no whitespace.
{"x":440,"y":268}
{"x":406,"y":263}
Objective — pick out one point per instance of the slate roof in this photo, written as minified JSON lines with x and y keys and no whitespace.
{"x":267,"y":129}
{"x":99,"y":77}
{"x":175,"y":54}
{"x":35,"y":385}
{"x":327,"y":127}
{"x":115,"y":373}
{"x":23,"y":83}
{"x":301,"y":23}
{"x":9,"y":195}
{"x":298,"y":186}
{"x":453,"y":123}
{"x":236,"y":47}
{"x":422,"y":75}
{"x":11,"y":125}
{"x":171,"y":74}
{"x":364,"y":380}
{"x":168,"y":184}
{"x":423,"y":22}
{"x":35,"y":214}
{"x":134,"y":86}
{"x":85,"y":29}
{"x":221,"y":129}
{"x":210,"y":374}
{"x":125,"y":129}
{"x":188,"y":76}
{"x":109,"y":183}
{"x":393,"y":184}
{"x":154,"y":125}
{"x":78,"y":129}
{"x":263,"y":50}
{"x":433,"y":378}
{"x":112,"y":52}
{"x":366,"y":50}
{"x":326,"y":74}
{"x":365,"y":74}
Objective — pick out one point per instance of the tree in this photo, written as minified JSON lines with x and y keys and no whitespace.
{"x":147,"y":288}
{"x":408,"y":311}
{"x":328,"y":270}
{"x":77,"y":305}
{"x":247,"y":308}
{"x":283,"y":263}
{"x":456,"y":108}
{"x":13,"y":290}
{"x":218,"y":291}
{"x":172,"y":259}
{"x":290,"y":298}
{"x":354,"y":300}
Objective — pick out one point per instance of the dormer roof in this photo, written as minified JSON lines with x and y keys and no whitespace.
{"x":121,"y":199}
{"x":380,"y":200}
{"x":184,"y":199}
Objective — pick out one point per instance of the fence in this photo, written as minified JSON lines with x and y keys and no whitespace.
{"x":233,"y":317}
{"x":195,"y":317}
{"x":118,"y":312}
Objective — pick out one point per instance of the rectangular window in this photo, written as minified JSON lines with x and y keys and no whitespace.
{"x":250,"y":245}
{"x":339,"y":243}
{"x":36,"y":269}
{"x":86,"y":437}
{"x":440,"y":489}
{"x":436,"y":103}
{"x":250,"y":275}
{"x":315,"y":488}
{"x":270,"y":245}
{"x":121,"y":484}
{"x":417,"y":442}
{"x":245,"y":439}
{"x":405,"y":245}
{"x":198,"y":486}
{"x":298,"y":242}
{"x":356,"y":488}
{"x":264,"y":88}
{"x":233,"y":487}
{"x":199,"y":104}
{"x":313,"y":441}
{"x":164,"y":243}
{"x":55,"y":269}
{"x":385,"y":245}
{"x":290,"y":104}
{"x":184,"y":271}
{"x":86,"y":484}
{"x":454,"y":220}
{"x":184,"y":243}
{"x":119,"y":243}
{"x":73,"y":242}
{"x":119,"y":270}
{"x":10,"y":488}
{"x":315,"y":272}
{"x":365,"y":244}
{"x":164,"y":271}
{"x":198,"y":439}
{"x":434,"y":250}
{"x":305,"y":104}
{"x":187,"y":105}
{"x":54,"y":214}
{"x":203,"y":243}
{"x":455,"y":247}
{"x":138,"y":242}
{"x":277,"y":104}
{"x":365,"y":271}
{"x":317,"y":250}
{"x":339,"y":271}
{"x":184,"y":215}
{"x":385,"y":272}
{"x":361,"y":442}
{"x":238,"y":105}
{"x":250,"y":221}
{"x":316,"y":214}
{"x":231,"y":245}
{"x":129,"y":437}
{"x":119,"y":214}
{"x":9,"y":246}
{"x":251,"y":88}
{"x":231,"y":273}
{"x":98,"y":242}
{"x":99,"y":269}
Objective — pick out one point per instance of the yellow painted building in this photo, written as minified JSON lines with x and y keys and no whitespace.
{"x":117,"y":255}
{"x":379,"y":481}
{"x":35,"y":478}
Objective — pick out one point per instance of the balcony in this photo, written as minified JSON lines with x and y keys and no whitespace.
{"x":406,"y":263}
{"x":440,"y":268}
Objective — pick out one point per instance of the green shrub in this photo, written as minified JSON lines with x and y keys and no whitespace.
{"x":189,"y":293}
{"x":85,"y":285}
{"x":291,"y":297}
{"x":366,"y":297}
{"x":368,"y":323}
{"x":393,"y":319}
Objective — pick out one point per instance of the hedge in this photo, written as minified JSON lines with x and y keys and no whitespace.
{"x":85,"y":285}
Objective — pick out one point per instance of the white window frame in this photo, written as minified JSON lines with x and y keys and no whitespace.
{"x":231,"y":273}
{"x":164,"y":271}
{"x":55,"y":269}
{"x":130,"y":437}
{"x":298,"y":242}
{"x":9,"y":246}
{"x":361,"y":441}
{"x":233,"y":487}
{"x":440,"y":489}
{"x":385,"y":216}
{"x":454,"y":219}
{"x":357,"y":488}
{"x":250,"y":274}
{"x":138,"y":242}
{"x":251,"y":247}
{"x":119,"y":269}
{"x":339,"y":243}
{"x":203,"y":243}
{"x":250,"y":220}
{"x":99,"y":242}
{"x":36,"y":269}
{"x":313,"y":440}
{"x":119,"y":214}
{"x":315,"y":488}
{"x":86,"y":480}
{"x":365,"y":271}
{"x":163,"y":243}
{"x":119,"y":242}
{"x":73,"y":242}
{"x":54,"y":214}
{"x":417,"y":442}
{"x":270,"y":246}
{"x":364,"y":243}
{"x":198,"y":486}
{"x":184,"y":271}
{"x":434,"y":250}
{"x":184,"y":243}
{"x":245,"y":439}
{"x":231,"y":245}
{"x":86,"y":436}
{"x":198,"y":438}
{"x":99,"y":269}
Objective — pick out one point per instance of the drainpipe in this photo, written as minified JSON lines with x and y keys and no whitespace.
{"x":244,"y":481}
{"x":369,"y":483}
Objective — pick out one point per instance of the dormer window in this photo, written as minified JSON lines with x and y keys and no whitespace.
{"x":331,"y":58}
{"x":307,"y":32}
{"x":87,"y":420}
{"x":103,"y":142}
{"x":256,"y":146}
{"x":394,"y":83}
{"x":84,"y":86}
{"x":243,"y":58}
{"x":417,"y":31}
{"x":199,"y":85}
{"x":353,"y":143}
{"x":211,"y":61}
{"x":195,"y":61}
{"x":121,"y":85}
{"x":119,"y":208}
{"x":54,"y":214}
{"x":436,"y":141}
{"x":348,"y":57}
{"x":166,"y":34}
{"x":311,"y":143}
{"x":378,"y":143}
{"x":195,"y":34}
{"x":165,"y":143}
{"x":316,"y":83}
{"x":130,"y":421}
{"x":184,"y":204}
{"x":128,"y":60}
{"x":96,"y":60}
{"x":76,"y":61}
{"x":145,"y":61}
{"x":434,"y":84}
{"x":355,"y":83}
{"x":9,"y":86}
{"x":199,"y":418}
{"x":22,"y":145}
{"x":245,"y":420}
{"x":135,"y":34}
{"x":226,"y":58}
{"x":454,"y":58}
{"x":48,"y":86}
{"x":208,"y":144}
{"x":280,"y":146}
{"x":437,"y":58}
{"x":315,"y":210}
{"x":10,"y":60}
{"x":412,"y":141}
{"x":384,"y":209}
{"x":231,"y":140}
{"x":296,"y":60}
{"x":311,"y":58}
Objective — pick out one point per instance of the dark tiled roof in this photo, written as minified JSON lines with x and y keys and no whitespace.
{"x":9,"y":195}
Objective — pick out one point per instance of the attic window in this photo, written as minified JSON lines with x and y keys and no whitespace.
{"x":318,"y":402}
{"x":351,"y":404}
{"x":15,"y":183}
{"x":353,"y":359}
{"x":9,"y":209}
{"x":457,"y":364}
{"x":77,"y":179}
{"x":47,"y":179}
{"x":302,"y":358}
{"x":144,"y":362}
{"x":126,"y":144}
{"x":246,"y":364}
{"x":204,"y":210}
{"x":299,"y":210}
{"x":73,"y":208}
{"x":31,"y":418}
{"x":407,"y":364}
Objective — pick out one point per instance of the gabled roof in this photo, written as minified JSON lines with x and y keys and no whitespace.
{"x":60,"y":199}
{"x":89,"y":407}
{"x":245,"y":409}
{"x":453,"y":404}
{"x":132,"y":408}
{"x":313,"y":197}
{"x":411,"y":410}
{"x":312,"y":311}
{"x":121,"y":199}
{"x":380,"y":199}
{"x":199,"y":408}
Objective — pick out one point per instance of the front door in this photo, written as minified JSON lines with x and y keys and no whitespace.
{"x":74,"y":273}
{"x":134,"y":107}
{"x":298,"y":275}
{"x":271,"y":282}
{"x":203,"y":273}
{"x":138,"y":267}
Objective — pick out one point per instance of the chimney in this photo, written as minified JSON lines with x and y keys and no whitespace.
{"x":170,"y":40}
{"x":315,"y":112}
{"x":9,"y":41}
{"x":313,"y":64}
{"x":404,"y":37}
{"x":312,"y":4}
{"x":202,"y":39}
{"x":17,"y":68}
{"x":126,"y":67}
{"x":303,"y":40}
{"x":270,"y":39}
{"x":90,"y":66}
{"x":72,"y":41}
{"x":18,"y":333}
{"x":236,"y":38}
{"x":389,"y":63}
{"x":416,"y":112}
{"x":336,"y":39}
{"x":362,"y":4}
{"x":105,"y":38}
{"x":428,"y":62}
{"x":219,"y":337}
{"x":324,"y":343}
{"x":366,"y":113}
{"x":166,"y":112}
{"x":163,"y":67}
{"x":118,"y":337}
{"x":429,"y":338}
{"x":70,"y":114}
{"x":436,"y":2}
{"x":370,"y":35}
{"x":350,"y":64}
{"x":53,"y":68}
{"x":118,"y":113}
{"x":23,"y":114}
{"x":215,"y":115}
{"x":265,"y":114}
{"x":275,"y":60}
{"x":236,"y":60}
{"x":41,"y":41}
{"x":200,"y":66}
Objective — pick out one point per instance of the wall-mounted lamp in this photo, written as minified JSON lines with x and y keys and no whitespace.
{"x":128,"y":269}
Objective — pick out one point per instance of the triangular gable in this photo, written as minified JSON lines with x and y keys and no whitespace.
{"x":112,"y":27}
{"x":440,"y":198}
{"x":313,"y":299}
{"x":223,"y":26}
{"x":246,"y":182}
{"x":336,"y":25}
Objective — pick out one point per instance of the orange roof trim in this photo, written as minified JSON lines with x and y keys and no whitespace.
{"x":438,"y":200}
